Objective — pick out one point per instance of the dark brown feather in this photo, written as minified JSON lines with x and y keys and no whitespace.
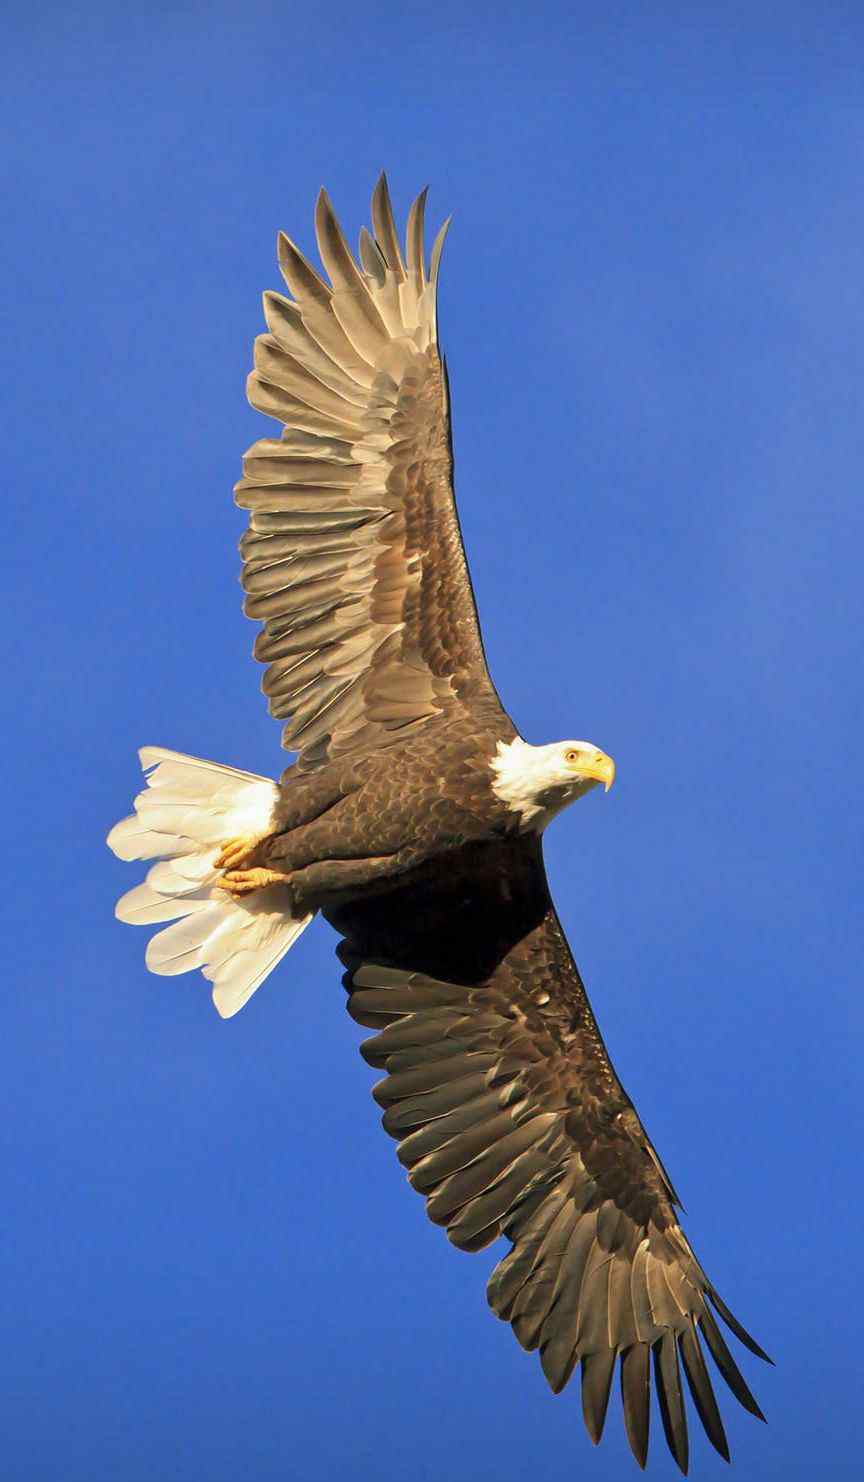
{"x":701,"y":1390}
{"x":512,"y":1121}
{"x":636,"y":1398}
{"x":726,"y":1364}
{"x":597,"y":1371}
{"x":667,"y":1376}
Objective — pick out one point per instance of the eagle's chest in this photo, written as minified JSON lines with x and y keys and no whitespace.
{"x":440,"y":797}
{"x":459,"y":805}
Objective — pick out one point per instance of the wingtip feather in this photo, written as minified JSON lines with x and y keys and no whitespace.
{"x":736,"y":1327}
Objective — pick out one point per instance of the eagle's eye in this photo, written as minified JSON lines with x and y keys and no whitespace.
{"x":572,"y":755}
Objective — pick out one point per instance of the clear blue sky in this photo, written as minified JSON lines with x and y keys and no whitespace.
{"x":653,"y":309}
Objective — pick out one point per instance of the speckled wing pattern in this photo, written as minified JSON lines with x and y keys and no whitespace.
{"x":511,"y":1121}
{"x":353,"y":558}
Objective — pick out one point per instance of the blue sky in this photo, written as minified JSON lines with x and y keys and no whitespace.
{"x":652,"y":306}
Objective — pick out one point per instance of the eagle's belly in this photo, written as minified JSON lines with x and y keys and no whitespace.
{"x":452,"y":915}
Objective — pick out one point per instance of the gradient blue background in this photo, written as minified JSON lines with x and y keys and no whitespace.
{"x":652,"y":306}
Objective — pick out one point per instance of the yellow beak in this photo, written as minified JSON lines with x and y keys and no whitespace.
{"x":600,"y":769}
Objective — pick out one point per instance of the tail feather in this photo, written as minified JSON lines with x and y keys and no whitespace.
{"x":188,"y":810}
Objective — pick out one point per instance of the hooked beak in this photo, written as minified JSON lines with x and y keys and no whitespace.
{"x":600,"y":768}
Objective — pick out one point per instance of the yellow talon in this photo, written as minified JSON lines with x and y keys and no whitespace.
{"x":244,"y":882}
{"x":237,"y":852}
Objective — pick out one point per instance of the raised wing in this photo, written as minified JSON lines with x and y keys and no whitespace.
{"x":353,"y":559}
{"x":511,"y":1121}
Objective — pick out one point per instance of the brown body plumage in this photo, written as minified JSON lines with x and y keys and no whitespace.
{"x":412,"y":821}
{"x":361,"y":822}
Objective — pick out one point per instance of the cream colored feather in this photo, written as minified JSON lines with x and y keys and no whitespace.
{"x":188,"y":810}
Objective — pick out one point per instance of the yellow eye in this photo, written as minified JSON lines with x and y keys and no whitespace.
{"x":571,"y":756}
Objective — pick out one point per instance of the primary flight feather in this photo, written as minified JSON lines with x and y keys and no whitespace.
{"x":412,"y":821}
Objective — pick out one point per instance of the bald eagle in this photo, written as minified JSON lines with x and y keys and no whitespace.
{"x":412,"y":820}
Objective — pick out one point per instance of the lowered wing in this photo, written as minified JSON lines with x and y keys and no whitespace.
{"x":511,"y":1121}
{"x":353,"y":559}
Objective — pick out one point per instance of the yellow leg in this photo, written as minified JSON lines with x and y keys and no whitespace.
{"x":239,"y":851}
{"x":244,"y":882}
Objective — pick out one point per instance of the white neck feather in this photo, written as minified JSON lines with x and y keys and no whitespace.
{"x":521,"y":778}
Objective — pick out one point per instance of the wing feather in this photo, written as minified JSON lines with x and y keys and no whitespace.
{"x":597,"y":1371}
{"x":700,"y":1388}
{"x":351,"y":367}
{"x":385,"y":227}
{"x":636,"y":1398}
{"x":511,"y":1121}
{"x":667,"y":1376}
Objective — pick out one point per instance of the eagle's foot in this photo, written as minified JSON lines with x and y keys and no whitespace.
{"x":244,"y":882}
{"x":239,"y":852}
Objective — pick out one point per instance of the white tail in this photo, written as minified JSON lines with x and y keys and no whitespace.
{"x":187,"y":811}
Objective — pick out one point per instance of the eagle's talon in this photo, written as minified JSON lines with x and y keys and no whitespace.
{"x":244,"y":882}
{"x":237,"y":852}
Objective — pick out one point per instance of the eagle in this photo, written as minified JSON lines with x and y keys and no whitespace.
{"x":412,"y":820}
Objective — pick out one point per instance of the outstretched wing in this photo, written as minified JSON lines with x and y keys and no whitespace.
{"x":511,"y":1121}
{"x":353,"y":559}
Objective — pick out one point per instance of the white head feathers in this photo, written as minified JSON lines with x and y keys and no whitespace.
{"x":538,"y":781}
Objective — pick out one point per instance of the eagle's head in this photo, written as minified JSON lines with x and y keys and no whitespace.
{"x":538,"y":781}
